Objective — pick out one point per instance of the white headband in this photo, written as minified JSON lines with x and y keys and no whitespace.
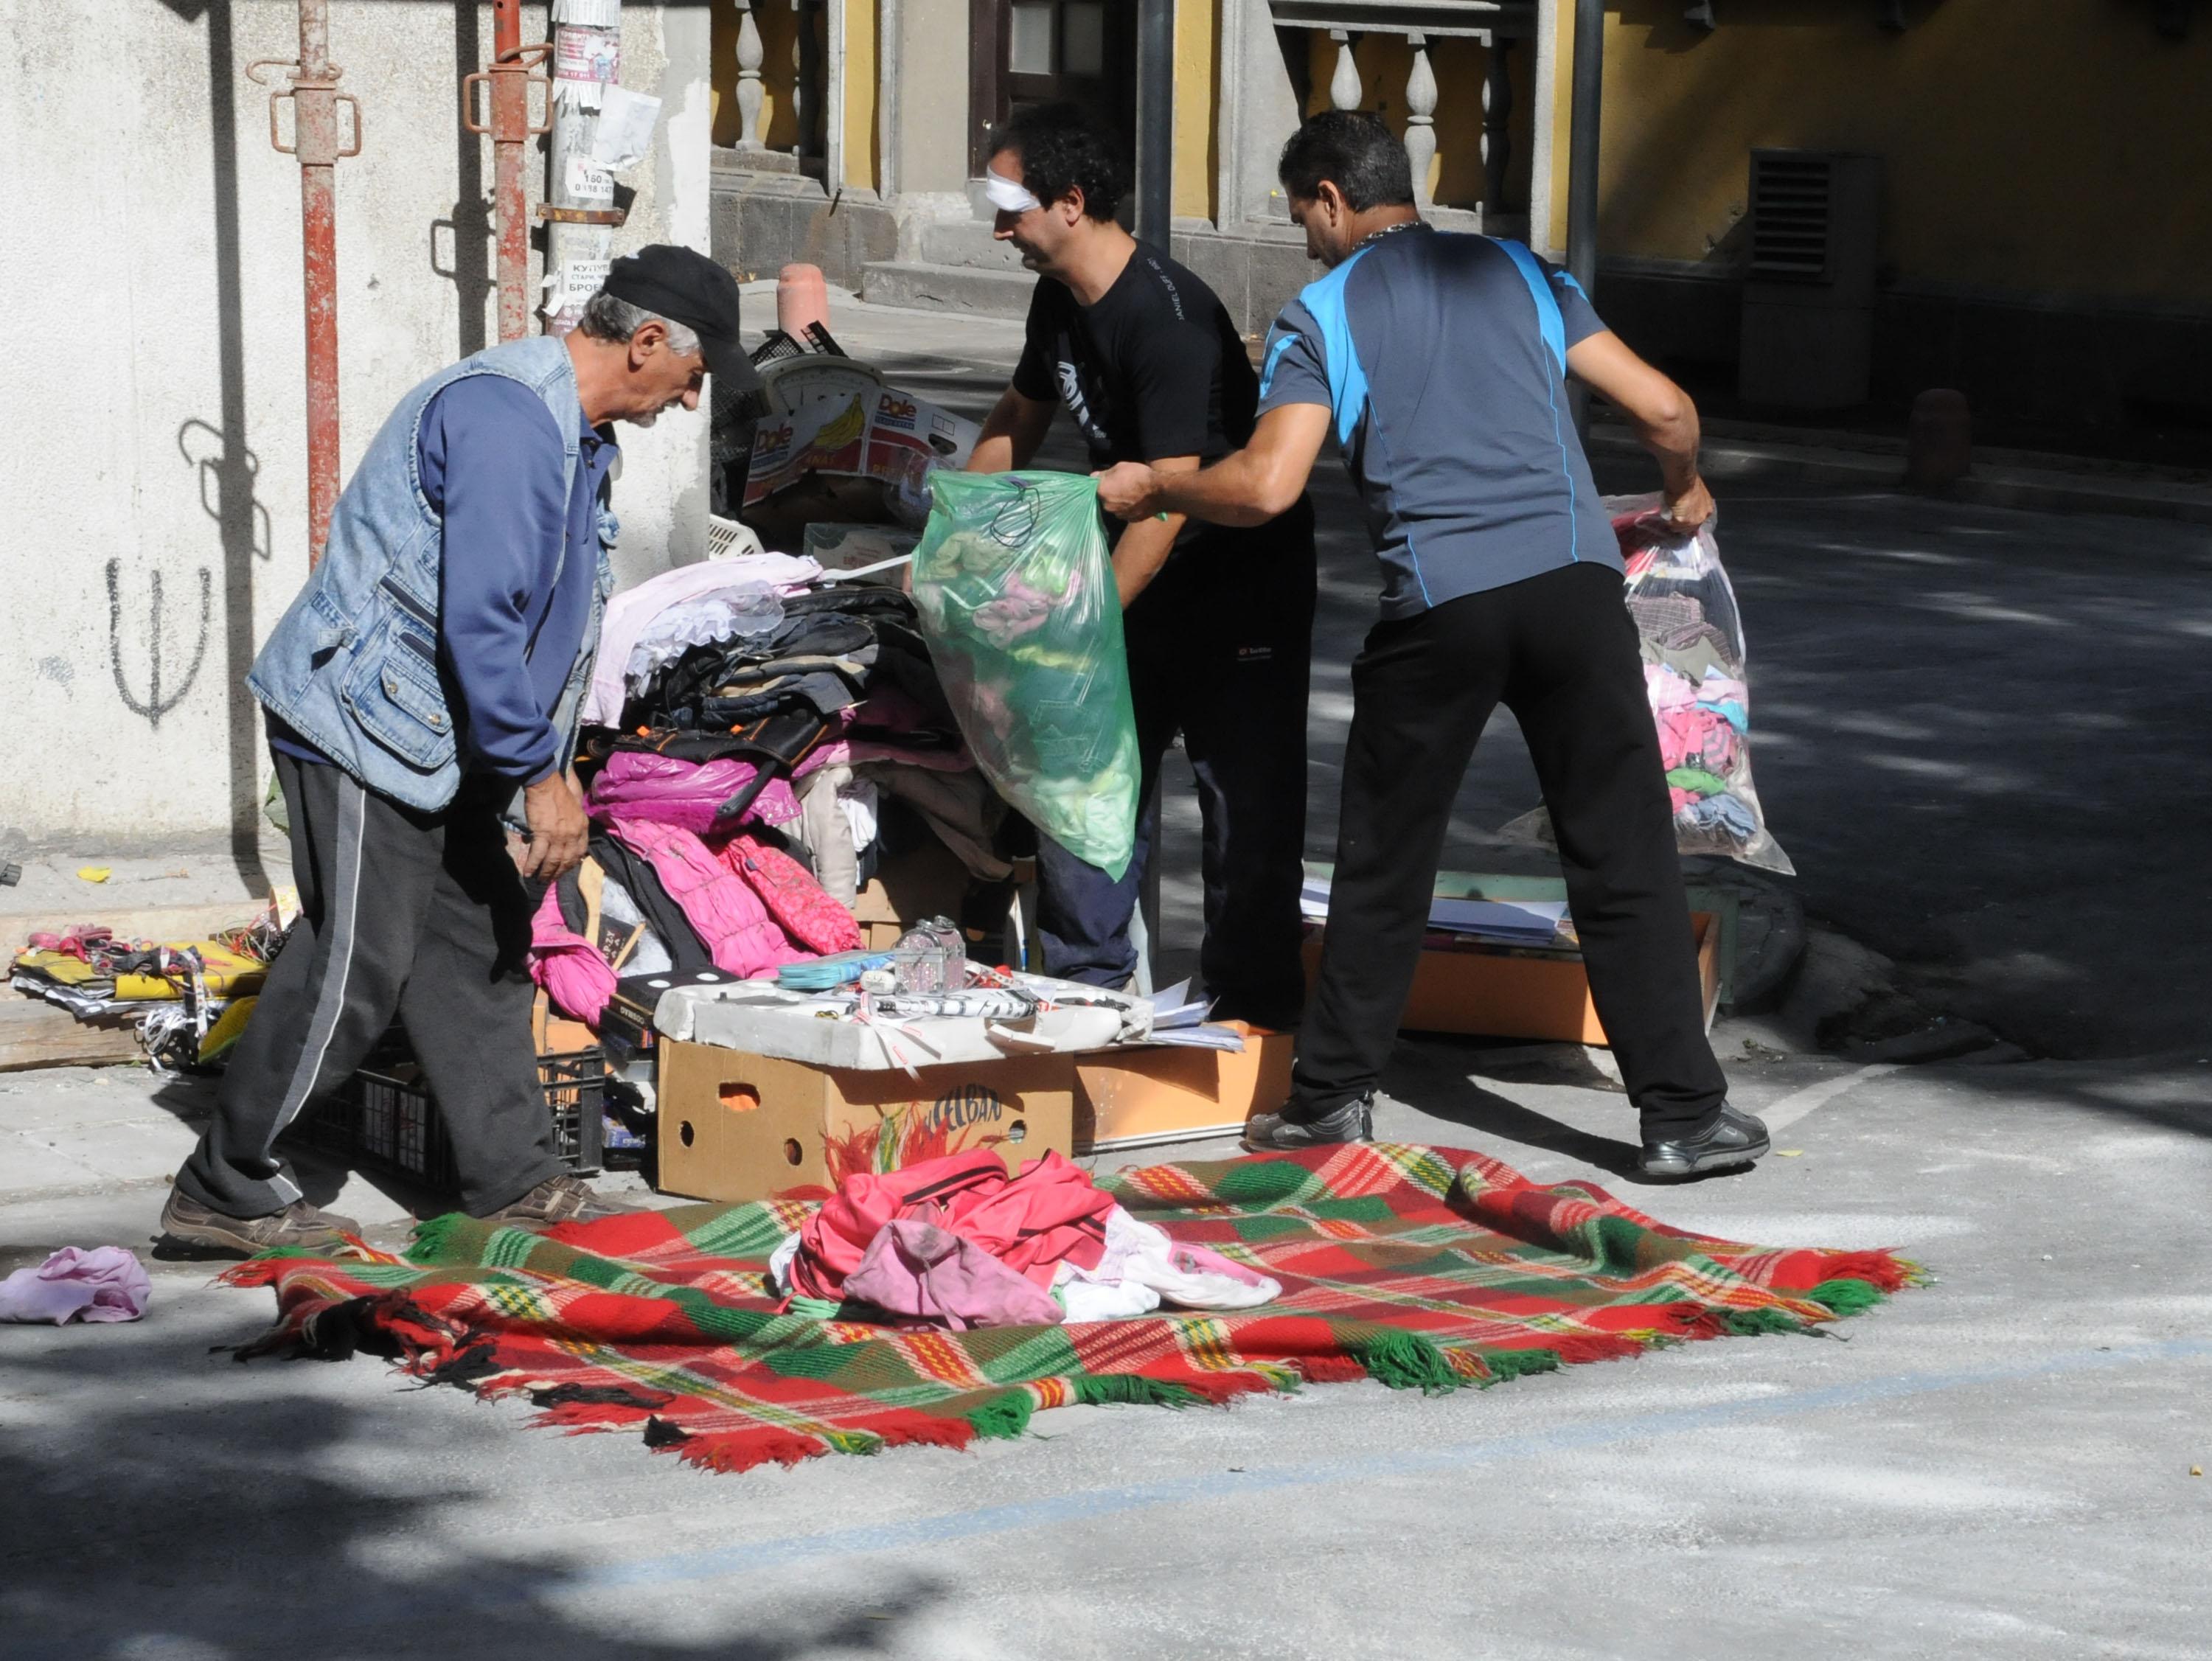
{"x":1007,"y":196}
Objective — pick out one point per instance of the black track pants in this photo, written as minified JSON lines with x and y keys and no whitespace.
{"x":421,"y":915}
{"x":1560,"y":652}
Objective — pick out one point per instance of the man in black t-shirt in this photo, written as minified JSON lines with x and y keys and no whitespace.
{"x":1218,"y":622}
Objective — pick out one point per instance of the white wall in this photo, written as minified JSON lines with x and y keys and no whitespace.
{"x":155,"y":381}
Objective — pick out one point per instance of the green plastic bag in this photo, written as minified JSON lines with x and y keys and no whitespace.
{"x":1018,"y":603}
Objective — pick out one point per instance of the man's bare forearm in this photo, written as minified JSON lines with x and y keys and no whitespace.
{"x":1673,"y":443}
{"x":1142,"y":550}
{"x":1012,"y":435}
{"x":1234,"y":490}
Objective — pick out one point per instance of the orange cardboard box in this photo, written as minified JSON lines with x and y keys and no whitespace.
{"x":1134,"y":1097}
{"x":736,"y":1126}
{"x":1496,"y":992}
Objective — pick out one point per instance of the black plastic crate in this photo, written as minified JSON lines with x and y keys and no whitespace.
{"x":386,"y":1116}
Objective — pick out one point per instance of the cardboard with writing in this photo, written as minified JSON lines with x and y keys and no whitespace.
{"x":734,"y":1126}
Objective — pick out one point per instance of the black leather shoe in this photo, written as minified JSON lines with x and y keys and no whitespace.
{"x":1729,"y":1138}
{"x":1266,"y":1133}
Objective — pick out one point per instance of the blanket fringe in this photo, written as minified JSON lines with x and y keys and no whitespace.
{"x":434,"y":1235}
{"x":1407,"y":1361}
{"x":743,"y":1450}
{"x":1005,"y":1416}
{"x":1103,"y":1389}
{"x":1506,"y":1365}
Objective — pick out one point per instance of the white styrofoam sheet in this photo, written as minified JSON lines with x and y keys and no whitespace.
{"x":763,"y":1021}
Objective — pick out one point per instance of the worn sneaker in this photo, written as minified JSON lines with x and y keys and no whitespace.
{"x":564,"y":1198}
{"x":1730,"y":1138}
{"x":208,"y":1231}
{"x":1278,"y":1133}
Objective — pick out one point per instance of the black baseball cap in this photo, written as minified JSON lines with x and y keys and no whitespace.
{"x":685,"y":287}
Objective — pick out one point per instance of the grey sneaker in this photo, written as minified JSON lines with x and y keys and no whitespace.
{"x":213,"y":1233}
{"x":1730,"y":1138}
{"x":1267,"y":1133}
{"x":564,"y":1198}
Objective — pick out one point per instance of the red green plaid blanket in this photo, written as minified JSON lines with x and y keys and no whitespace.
{"x":1434,"y":1268}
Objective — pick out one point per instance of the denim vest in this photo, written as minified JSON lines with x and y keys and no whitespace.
{"x":352,"y":667}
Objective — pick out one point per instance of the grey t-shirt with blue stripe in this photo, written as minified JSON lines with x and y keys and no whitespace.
{"x":1442,"y":358}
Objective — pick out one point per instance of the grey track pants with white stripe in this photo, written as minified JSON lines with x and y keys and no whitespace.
{"x":421,"y":915}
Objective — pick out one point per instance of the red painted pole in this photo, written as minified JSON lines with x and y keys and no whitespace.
{"x":315,"y":100}
{"x":512,"y":71}
{"x":510,"y":126}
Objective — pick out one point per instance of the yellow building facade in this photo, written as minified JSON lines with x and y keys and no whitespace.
{"x":2041,"y":238}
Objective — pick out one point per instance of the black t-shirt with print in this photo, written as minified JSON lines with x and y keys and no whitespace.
{"x":1154,"y":369}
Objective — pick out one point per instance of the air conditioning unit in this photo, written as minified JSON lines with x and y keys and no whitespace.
{"x":1808,"y":295}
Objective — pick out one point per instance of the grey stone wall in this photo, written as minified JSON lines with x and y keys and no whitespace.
{"x":763,"y":222}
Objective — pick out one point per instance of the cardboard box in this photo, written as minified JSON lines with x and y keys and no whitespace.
{"x":1498,"y":993}
{"x":734,"y":1126}
{"x":929,"y":882}
{"x":1139,"y":1097}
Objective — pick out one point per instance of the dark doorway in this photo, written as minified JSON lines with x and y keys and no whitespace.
{"x":1026,"y":52}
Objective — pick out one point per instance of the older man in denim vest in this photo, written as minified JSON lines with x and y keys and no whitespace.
{"x":422,"y":695}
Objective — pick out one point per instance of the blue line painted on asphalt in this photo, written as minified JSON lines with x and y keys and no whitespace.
{"x":393,"y":1609}
{"x":768,"y":1556}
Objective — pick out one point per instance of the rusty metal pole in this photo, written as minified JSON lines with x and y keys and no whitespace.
{"x":315,"y":100}
{"x":578,"y":206}
{"x":512,"y":71}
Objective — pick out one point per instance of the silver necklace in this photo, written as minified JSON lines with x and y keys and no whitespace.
{"x":1378,"y":235}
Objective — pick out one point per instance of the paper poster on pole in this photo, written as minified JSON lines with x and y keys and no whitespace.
{"x":624,"y":137}
{"x":575,"y":282}
{"x":589,"y":183}
{"x":581,"y":54}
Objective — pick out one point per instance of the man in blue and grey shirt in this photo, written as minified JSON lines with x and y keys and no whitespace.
{"x":422,"y":695}
{"x":1440,"y":363}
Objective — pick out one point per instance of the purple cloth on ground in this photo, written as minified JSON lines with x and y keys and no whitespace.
{"x":104,"y":1284}
{"x":915,"y":1270}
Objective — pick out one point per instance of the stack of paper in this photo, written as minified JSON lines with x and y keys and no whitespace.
{"x":1177,"y":1020}
{"x":1507,"y":922}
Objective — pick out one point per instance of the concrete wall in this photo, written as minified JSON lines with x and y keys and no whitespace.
{"x":157,"y":525}
{"x":931,"y":144}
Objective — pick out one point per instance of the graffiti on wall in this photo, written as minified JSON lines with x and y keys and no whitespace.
{"x":165,"y":687}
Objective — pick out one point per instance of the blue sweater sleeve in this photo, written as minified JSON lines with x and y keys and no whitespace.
{"x":491,"y":464}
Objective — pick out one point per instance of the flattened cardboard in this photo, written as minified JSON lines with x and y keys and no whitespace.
{"x":1493,"y":992}
{"x":734,"y":1126}
{"x":1159,"y":1093}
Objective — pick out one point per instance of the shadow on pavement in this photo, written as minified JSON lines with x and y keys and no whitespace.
{"x":190,"y":1532}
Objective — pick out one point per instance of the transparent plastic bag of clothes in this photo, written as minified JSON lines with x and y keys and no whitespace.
{"x":1697,"y":684}
{"x":1016,"y":600}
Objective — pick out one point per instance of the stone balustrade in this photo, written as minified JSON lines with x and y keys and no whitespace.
{"x":802,"y":84}
{"x":1500,"y":25}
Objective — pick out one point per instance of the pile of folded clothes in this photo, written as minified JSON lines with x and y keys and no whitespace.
{"x":957,"y":1242}
{"x":756,"y":739}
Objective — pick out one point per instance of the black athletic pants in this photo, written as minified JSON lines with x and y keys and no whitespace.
{"x":421,"y":915}
{"x":1560,"y":652}
{"x":1219,"y":644}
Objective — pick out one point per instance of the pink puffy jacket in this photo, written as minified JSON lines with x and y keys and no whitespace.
{"x":792,"y":897}
{"x":738,"y":931}
{"x":638,"y":784}
{"x":568,"y":967}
